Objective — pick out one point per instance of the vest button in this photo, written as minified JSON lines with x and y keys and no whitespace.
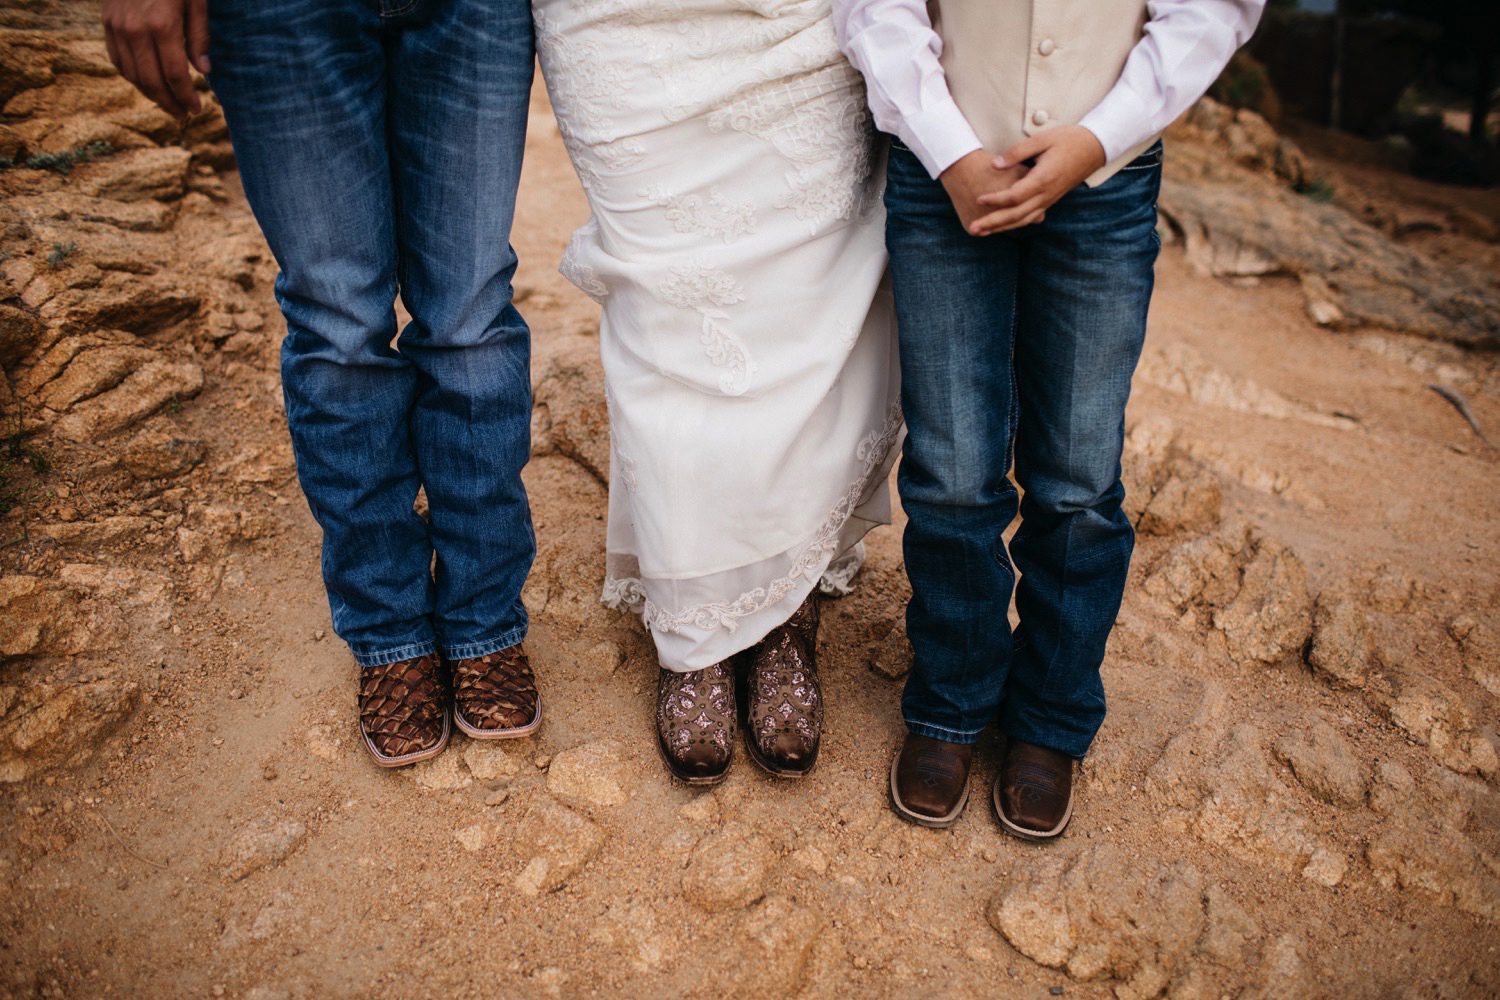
{"x":1047,"y":47}
{"x":1039,"y":117}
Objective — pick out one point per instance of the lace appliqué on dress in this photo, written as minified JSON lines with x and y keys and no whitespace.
{"x":715,"y":216}
{"x":706,"y":290}
{"x":625,"y":592}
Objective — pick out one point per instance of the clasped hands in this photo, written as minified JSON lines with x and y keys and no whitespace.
{"x":993,"y":194}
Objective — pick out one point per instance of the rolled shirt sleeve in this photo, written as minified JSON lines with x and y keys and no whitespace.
{"x":1185,"y":46}
{"x":891,"y":42}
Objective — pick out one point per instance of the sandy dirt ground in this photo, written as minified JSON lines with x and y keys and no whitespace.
{"x":1294,"y":793}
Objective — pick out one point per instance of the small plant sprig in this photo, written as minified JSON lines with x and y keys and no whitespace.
{"x":62,"y":162}
{"x":15,"y":450}
{"x":1318,"y":190}
{"x":60,"y":253}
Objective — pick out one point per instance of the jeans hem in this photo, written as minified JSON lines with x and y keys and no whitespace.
{"x":1014,"y":730}
{"x":395,"y":654}
{"x":484,"y":647}
{"x":943,"y":733}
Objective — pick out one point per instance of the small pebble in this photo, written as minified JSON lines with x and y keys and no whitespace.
{"x":497,"y":797}
{"x":269,"y":773}
{"x":542,"y":761}
{"x":860,"y":962}
{"x":1056,"y":991}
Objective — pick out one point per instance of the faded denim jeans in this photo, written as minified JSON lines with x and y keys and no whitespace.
{"x":1017,"y":346}
{"x":379,"y":142}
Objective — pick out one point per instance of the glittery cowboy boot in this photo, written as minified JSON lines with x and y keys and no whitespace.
{"x":785,"y":710}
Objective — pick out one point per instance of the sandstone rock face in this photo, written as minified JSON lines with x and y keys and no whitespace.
{"x":891,"y":657}
{"x":1436,"y":716}
{"x":1151,"y":929}
{"x":106,"y":209}
{"x":264,"y":843}
{"x":1416,"y":849}
{"x":727,"y":870}
{"x":570,"y":416}
{"x":1216,"y":780}
{"x":490,"y":761}
{"x":1366,"y":637}
{"x":594,"y":774}
{"x":1324,"y":763}
{"x":1238,"y":221}
{"x":562,"y":843}
{"x":775,"y":939}
{"x":59,"y":723}
{"x":1342,"y":649}
{"x":1250,"y":588}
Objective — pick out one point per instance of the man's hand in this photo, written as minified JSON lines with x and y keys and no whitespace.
{"x":970,"y":177}
{"x":1063,"y":158}
{"x":151,"y":43}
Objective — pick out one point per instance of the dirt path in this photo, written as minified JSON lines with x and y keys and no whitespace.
{"x":1294,"y":794}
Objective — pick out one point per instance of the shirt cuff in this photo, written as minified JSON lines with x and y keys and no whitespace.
{"x":1120,"y":122}
{"x":939,"y":136}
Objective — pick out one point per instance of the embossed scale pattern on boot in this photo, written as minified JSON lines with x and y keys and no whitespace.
{"x":695,"y":716}
{"x":402,"y":704}
{"x":495,"y":691}
{"x":786,"y":701}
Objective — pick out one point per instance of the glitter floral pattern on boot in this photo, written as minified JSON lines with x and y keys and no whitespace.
{"x":785,"y":700}
{"x":695,"y":714}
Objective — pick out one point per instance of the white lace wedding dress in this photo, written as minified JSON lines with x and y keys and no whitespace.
{"x":748,"y":341}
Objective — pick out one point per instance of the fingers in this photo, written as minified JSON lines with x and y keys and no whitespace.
{"x":148,"y":73}
{"x":1028,"y":212}
{"x":1024,"y":189}
{"x":1027,"y":149}
{"x":1030,"y":220}
{"x":197,"y":35}
{"x":178,"y":78}
{"x":114,"y":52}
{"x":150,"y":48}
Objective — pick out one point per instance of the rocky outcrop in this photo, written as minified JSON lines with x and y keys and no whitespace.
{"x":1247,"y":218}
{"x":1251,"y":589}
{"x":116,"y":255}
{"x":1154,"y":928}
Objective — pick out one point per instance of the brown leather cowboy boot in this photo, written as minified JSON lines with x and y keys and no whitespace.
{"x":785,"y":711}
{"x":930,"y":780}
{"x":1033,"y":795}
{"x":403,"y":711}
{"x":695,"y":716}
{"x":495,"y":695}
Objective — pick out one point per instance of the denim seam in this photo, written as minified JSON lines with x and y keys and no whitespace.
{"x":483,"y":647}
{"x":918,"y":727}
{"x":399,"y":11}
{"x":385,"y":657}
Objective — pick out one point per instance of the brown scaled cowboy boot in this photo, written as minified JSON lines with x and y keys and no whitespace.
{"x":495,"y":695}
{"x":403,"y":711}
{"x":785,"y":701}
{"x":695,"y":716}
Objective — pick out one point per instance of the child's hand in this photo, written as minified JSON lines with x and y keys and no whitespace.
{"x":972,"y":176}
{"x":1064,"y":158}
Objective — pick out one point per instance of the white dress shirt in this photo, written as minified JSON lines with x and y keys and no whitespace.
{"x":1186,"y":45}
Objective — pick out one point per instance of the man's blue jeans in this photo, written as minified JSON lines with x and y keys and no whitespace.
{"x":1019,"y":345}
{"x":379,"y":142}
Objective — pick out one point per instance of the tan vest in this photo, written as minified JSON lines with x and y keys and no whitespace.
{"x":1018,"y":67}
